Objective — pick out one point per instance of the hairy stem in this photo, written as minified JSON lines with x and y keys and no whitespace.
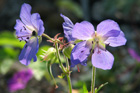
{"x":45,"y":35}
{"x":53,"y":40}
{"x":58,"y":56}
{"x":93,"y":79}
{"x":69,"y":83}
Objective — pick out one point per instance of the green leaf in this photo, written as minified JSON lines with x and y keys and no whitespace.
{"x":101,"y":86}
{"x":8,"y":39}
{"x":85,"y":88}
{"x":5,"y":65}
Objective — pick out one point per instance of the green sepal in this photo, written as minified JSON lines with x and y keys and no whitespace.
{"x":67,"y":50}
{"x":77,"y":41}
{"x":40,"y":39}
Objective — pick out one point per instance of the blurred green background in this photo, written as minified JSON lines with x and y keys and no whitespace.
{"x":122,"y":78}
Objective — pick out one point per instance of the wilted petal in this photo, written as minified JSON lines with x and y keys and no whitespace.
{"x":37,"y":23}
{"x":80,"y":54}
{"x":68,"y":27}
{"x":21,"y":31}
{"x":106,"y":26}
{"x":83,"y":30}
{"x":29,"y":51}
{"x":102,"y":59}
{"x":25,"y":14}
{"x":116,"y":41}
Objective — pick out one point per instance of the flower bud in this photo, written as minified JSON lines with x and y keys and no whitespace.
{"x":49,"y":54}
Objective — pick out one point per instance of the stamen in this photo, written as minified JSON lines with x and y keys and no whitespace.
{"x":98,"y":49}
{"x":92,"y":51}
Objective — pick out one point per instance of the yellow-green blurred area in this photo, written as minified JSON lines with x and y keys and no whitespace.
{"x":124,"y":77}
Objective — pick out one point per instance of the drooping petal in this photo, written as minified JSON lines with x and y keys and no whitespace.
{"x":102,"y":59}
{"x":83,"y":30}
{"x":106,"y":26}
{"x":80,"y":54}
{"x":68,"y":27}
{"x":29,"y":51}
{"x":25,"y":14}
{"x":116,"y":41}
{"x":22,"y":32}
{"x":37,"y":23}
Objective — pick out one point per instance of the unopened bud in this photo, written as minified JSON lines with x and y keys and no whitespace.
{"x":49,"y":54}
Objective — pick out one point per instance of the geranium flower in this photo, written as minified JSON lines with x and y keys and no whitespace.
{"x":29,"y":29}
{"x":67,"y":26}
{"x":94,"y":42}
{"x":19,"y":80}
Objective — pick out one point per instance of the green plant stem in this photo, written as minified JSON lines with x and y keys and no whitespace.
{"x":53,"y":40}
{"x":93,"y":79}
{"x":62,"y":67}
{"x":58,"y":56}
{"x":50,"y":68}
{"x":67,"y":62}
{"x":45,"y":35}
{"x":69,"y":83}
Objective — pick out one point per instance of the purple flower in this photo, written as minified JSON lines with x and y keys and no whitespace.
{"x":94,"y":42}
{"x":67,"y":26}
{"x":29,"y":29}
{"x":133,"y":53}
{"x":19,"y":80}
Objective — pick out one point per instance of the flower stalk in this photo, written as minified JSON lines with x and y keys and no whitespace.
{"x":62,"y":67}
{"x":69,"y":83}
{"x":93,"y":79}
{"x":45,"y":35}
{"x":58,"y":56}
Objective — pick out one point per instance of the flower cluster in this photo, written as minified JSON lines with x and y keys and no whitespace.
{"x":19,"y":80}
{"x":93,"y":42}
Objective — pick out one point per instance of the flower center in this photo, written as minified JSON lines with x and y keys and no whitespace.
{"x":97,"y":42}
